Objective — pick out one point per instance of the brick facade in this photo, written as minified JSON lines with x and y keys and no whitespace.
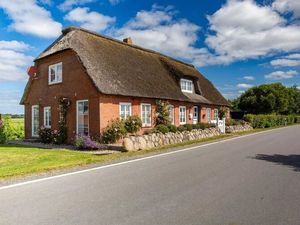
{"x":76,"y":85}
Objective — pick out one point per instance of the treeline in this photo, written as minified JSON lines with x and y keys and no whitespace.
{"x":269,"y":99}
{"x":13,"y":116}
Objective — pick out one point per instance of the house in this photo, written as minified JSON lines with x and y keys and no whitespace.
{"x":106,"y":79}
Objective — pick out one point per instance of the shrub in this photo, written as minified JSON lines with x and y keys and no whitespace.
{"x":162,"y":112}
{"x":85,"y":142}
{"x":172,"y":128}
{"x":114,"y":132}
{"x":265,"y":121}
{"x":2,"y":133}
{"x":11,"y":130}
{"x":150,"y":131}
{"x":189,"y":127}
{"x":162,"y":128}
{"x":46,"y":135}
{"x":133,"y":124}
{"x":181,"y":128}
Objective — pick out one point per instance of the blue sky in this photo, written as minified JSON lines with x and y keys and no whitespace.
{"x":235,"y":44}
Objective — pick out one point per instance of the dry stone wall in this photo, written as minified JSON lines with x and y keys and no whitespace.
{"x":238,"y":128}
{"x":135,"y":143}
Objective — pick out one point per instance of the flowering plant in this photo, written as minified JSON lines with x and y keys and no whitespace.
{"x":85,"y":142}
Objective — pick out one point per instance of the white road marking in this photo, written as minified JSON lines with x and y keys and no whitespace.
{"x":130,"y":161}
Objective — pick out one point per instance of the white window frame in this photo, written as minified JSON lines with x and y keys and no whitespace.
{"x":130,"y":109}
{"x":77,"y":104}
{"x":182,"y":122}
{"x":184,"y":85}
{"x":216,"y":114}
{"x":150,"y":113}
{"x":208,"y":112}
{"x":32,"y":120}
{"x":172,"y":117}
{"x":57,"y":79}
{"x":47,"y":121}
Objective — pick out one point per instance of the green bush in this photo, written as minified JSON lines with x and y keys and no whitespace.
{"x":189,"y":127}
{"x":46,"y":135}
{"x":133,"y":124}
{"x":181,"y":128}
{"x":162,"y":128}
{"x":3,"y":138}
{"x":172,"y":128}
{"x":265,"y":121}
{"x":114,"y":132}
{"x":11,"y":129}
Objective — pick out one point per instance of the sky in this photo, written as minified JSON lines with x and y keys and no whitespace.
{"x":235,"y":44}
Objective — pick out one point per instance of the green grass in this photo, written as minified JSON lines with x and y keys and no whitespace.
{"x":16,"y":161}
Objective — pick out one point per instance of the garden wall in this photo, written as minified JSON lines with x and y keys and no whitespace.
{"x":135,"y":143}
{"x":238,"y":128}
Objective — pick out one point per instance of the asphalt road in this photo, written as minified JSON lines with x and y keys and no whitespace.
{"x":251,"y":180}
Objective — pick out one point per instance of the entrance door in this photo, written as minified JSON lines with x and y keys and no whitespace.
{"x":195,"y":114}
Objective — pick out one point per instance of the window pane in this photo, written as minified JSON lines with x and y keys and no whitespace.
{"x":83,"y":117}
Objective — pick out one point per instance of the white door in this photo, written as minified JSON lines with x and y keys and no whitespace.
{"x":195,"y":114}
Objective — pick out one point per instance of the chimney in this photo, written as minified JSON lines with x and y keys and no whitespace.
{"x":128,"y":41}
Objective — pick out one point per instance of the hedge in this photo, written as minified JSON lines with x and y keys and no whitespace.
{"x":265,"y":121}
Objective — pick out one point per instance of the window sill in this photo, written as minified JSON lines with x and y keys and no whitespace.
{"x":53,"y":83}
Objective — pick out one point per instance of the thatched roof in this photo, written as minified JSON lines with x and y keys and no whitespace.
{"x":117,"y":68}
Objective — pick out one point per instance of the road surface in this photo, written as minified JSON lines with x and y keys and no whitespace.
{"x":251,"y":180}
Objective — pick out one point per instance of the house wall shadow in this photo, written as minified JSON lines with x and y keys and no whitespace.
{"x":292,"y":161}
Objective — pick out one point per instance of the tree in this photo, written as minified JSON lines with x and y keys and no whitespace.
{"x":270,"y":98}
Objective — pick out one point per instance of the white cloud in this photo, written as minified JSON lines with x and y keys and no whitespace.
{"x":160,"y":30}
{"x":291,"y":60}
{"x":69,"y":4}
{"x":244,"y":86}
{"x":293,"y":56}
{"x":280,"y":75}
{"x":244,"y":29}
{"x":285,"y":6}
{"x":30,"y":18}
{"x":13,"y":61}
{"x":249,"y":78}
{"x":89,"y":19}
{"x":13,"y":45}
{"x":114,"y":2}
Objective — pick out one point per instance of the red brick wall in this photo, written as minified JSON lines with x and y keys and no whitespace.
{"x":76,"y":85}
{"x":109,"y":109}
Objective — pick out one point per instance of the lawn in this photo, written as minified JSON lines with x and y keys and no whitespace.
{"x":19,"y":160}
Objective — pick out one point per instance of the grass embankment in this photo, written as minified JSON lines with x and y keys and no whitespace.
{"x":16,"y":161}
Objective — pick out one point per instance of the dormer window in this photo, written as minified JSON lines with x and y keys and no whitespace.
{"x":55,"y":73}
{"x":187,"y":85}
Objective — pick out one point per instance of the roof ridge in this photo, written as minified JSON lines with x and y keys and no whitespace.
{"x":71,"y":28}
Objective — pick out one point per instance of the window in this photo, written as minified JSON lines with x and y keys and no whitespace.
{"x":55,"y":73}
{"x":216,"y":114}
{"x":187,"y":85}
{"x":182,"y":114}
{"x":83,"y":117}
{"x":35,"y":121}
{"x":208,"y":115}
{"x":47,"y":117}
{"x":125,"y":110}
{"x":146,"y":115}
{"x":171,"y":114}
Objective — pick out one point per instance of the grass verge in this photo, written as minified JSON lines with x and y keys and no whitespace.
{"x":16,"y":161}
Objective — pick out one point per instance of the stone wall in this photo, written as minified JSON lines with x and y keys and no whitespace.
{"x":238,"y":128}
{"x":135,"y":143}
